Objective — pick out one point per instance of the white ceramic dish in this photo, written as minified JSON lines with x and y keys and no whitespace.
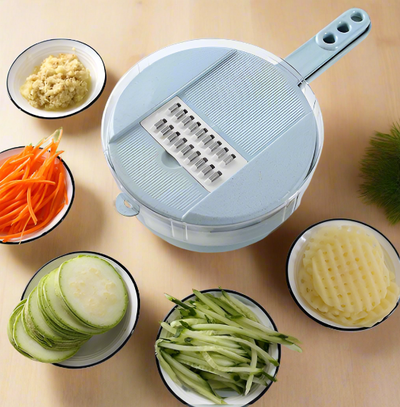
{"x":295,"y":256}
{"x":100,"y":347}
{"x":63,"y":213}
{"x":33,"y":56}
{"x":192,"y":399}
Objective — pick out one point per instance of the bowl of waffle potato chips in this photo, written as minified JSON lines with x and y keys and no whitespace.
{"x":344,"y":274}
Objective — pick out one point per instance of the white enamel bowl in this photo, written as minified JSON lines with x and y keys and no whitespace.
{"x":33,"y":56}
{"x":191,"y":398}
{"x":60,"y":216}
{"x":294,"y":260}
{"x":100,"y":347}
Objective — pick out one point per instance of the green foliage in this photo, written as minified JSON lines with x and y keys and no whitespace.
{"x":380,"y":170}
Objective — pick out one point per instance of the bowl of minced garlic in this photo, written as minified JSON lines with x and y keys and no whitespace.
{"x":58,"y":83}
{"x":344,"y":274}
{"x":56,"y":78}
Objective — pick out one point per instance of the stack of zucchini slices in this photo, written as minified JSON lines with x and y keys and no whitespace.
{"x":83,"y":297}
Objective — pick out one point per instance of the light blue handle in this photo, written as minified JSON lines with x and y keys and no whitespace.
{"x":330,"y":44}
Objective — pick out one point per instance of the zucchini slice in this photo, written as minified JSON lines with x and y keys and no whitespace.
{"x":42,"y":327}
{"x":10,"y":327}
{"x":35,"y":317}
{"x":34,"y":349}
{"x":60,"y":311}
{"x":93,"y":290}
{"x":49,"y":315}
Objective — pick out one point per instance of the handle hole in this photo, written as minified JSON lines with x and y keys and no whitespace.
{"x":343,"y":27}
{"x":357,"y":17}
{"x":329,"y":38}
{"x":127,"y":204}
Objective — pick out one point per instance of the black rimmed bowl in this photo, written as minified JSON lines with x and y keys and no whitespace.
{"x":391,"y":257}
{"x":100,"y":347}
{"x":192,"y":399}
{"x":33,"y":56}
{"x":70,"y":186}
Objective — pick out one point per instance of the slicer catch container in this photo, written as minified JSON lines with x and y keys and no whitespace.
{"x":214,"y":142}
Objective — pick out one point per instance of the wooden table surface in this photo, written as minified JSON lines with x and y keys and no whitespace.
{"x":358,"y":95}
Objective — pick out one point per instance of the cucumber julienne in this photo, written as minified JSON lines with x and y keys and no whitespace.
{"x":218,"y":343}
{"x":45,"y":328}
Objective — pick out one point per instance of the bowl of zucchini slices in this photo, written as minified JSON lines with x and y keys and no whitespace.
{"x":77,"y":311}
{"x":219,"y":347}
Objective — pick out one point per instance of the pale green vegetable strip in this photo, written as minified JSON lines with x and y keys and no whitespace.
{"x":220,"y":340}
{"x":224,"y":305}
{"x":220,"y":378}
{"x":231,"y":304}
{"x":199,"y":389}
{"x":268,"y":331}
{"x":264,"y":355}
{"x":201,"y":364}
{"x":217,"y":385}
{"x":234,"y":369}
{"x":237,"y":351}
{"x":223,"y":361}
{"x":184,"y":370}
{"x":231,"y":329}
{"x":295,"y":347}
{"x":253,"y":363}
{"x":255,"y":379}
{"x":165,"y":365}
{"x":249,"y":332}
{"x":216,"y":349}
{"x":244,"y":310}
{"x":221,"y":332}
{"x":177,"y":302}
{"x":205,"y":338}
{"x":190,"y":321}
{"x":216,"y":308}
{"x":216,"y":316}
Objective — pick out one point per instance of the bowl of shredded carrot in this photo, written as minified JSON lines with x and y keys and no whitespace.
{"x":37,"y":190}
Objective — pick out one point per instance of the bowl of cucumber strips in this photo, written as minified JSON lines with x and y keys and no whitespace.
{"x":77,"y":311}
{"x":219,"y":347}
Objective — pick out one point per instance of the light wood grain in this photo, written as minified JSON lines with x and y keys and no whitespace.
{"x":359,"y":95}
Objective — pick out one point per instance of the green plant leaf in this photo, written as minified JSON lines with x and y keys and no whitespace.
{"x":380,"y":170}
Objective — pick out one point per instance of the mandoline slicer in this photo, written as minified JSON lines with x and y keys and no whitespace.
{"x":213,"y":142}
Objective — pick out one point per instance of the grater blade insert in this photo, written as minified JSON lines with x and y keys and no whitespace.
{"x":193,"y":143}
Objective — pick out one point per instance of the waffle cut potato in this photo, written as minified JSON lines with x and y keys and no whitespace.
{"x":344,"y":277}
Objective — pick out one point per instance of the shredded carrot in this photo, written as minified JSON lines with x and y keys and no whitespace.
{"x":32,"y":189}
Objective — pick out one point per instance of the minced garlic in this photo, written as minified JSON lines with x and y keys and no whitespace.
{"x":60,"y":82}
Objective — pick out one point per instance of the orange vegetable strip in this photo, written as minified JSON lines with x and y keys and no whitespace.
{"x":17,"y":160}
{"x":9,"y":160}
{"x":14,"y":193}
{"x":65,"y":195}
{"x":48,"y":162}
{"x":21,"y":191}
{"x":10,"y":215}
{"x":39,"y":155}
{"x":28,"y":181}
{"x":60,"y":181}
{"x":52,"y":214}
{"x":23,"y":230}
{"x":14,"y":174}
{"x":25,"y":210}
{"x":29,"y":198}
{"x":10,"y":205}
{"x":9,"y":169}
{"x":23,"y":213}
{"x":42,"y":197}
